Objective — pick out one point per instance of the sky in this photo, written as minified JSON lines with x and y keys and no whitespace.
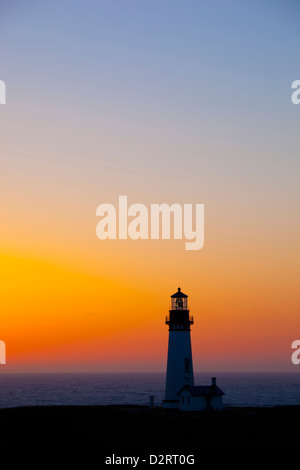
{"x":162,"y":101}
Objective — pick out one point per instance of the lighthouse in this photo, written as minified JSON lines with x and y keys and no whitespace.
{"x":180,"y":364}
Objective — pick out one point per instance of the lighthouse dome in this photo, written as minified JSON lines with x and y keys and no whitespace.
{"x":179,"y":294}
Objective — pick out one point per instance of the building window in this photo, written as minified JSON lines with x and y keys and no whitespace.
{"x":187,"y":365}
{"x":188,"y":400}
{"x":182,"y":399}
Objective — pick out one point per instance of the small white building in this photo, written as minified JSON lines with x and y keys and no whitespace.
{"x":200,"y":398}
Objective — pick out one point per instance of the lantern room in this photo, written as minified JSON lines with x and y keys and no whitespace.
{"x":179,"y":301}
{"x":179,"y":318}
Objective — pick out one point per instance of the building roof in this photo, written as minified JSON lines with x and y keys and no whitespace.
{"x":202,"y":390}
{"x":179,"y":294}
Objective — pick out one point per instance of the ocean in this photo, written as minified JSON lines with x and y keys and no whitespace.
{"x":241,"y":389}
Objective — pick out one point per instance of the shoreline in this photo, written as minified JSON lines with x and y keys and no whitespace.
{"x":105,"y":430}
{"x":139,"y":407}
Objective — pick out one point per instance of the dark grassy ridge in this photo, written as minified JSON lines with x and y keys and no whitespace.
{"x":100,"y":431}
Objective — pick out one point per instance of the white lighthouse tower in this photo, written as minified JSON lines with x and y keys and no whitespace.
{"x":180,"y":363}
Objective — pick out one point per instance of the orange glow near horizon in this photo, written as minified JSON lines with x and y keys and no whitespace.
{"x":57,"y":317}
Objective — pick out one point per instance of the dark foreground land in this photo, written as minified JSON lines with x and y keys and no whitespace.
{"x":100,"y":432}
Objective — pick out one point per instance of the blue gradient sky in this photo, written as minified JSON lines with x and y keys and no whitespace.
{"x":205,"y":83}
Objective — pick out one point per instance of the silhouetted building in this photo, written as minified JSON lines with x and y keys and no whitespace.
{"x":203,"y":397}
{"x":180,"y":390}
{"x":180,"y":363}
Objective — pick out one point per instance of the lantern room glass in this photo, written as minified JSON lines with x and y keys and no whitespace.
{"x":179,"y":303}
